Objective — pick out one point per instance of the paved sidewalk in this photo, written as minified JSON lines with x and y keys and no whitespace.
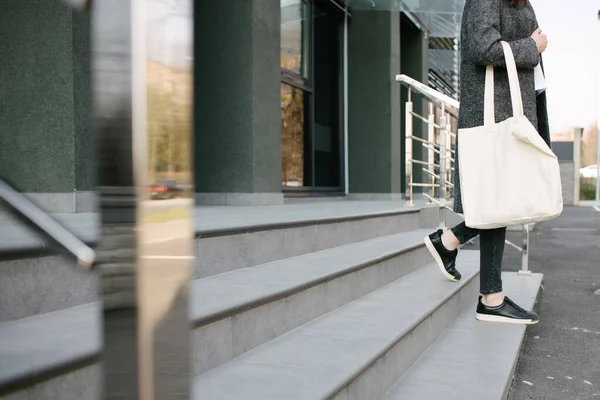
{"x":561,"y":355}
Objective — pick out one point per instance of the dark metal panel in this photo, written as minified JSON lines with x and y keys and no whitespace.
{"x":563,"y":150}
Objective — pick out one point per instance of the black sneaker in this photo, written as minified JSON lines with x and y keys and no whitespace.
{"x":507,"y":312}
{"x":444,"y":258}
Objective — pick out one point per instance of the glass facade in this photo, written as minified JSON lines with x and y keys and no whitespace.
{"x":292,"y":136}
{"x":311,"y":52}
{"x":327,"y":86}
{"x":295,"y":36}
{"x":441,"y":20}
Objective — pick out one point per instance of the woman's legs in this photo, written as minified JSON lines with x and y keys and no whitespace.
{"x":491,"y":253}
{"x":462,"y":234}
{"x":493,"y":306}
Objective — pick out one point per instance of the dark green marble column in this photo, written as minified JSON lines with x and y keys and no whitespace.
{"x":46,"y":148}
{"x":237,"y":102}
{"x":374,"y":142}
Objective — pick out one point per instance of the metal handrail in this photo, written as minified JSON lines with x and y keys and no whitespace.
{"x":414,"y":114}
{"x":418,"y":139}
{"x":440,"y":99}
{"x":432,"y":148}
{"x":423,"y":163}
{"x":45,"y":226}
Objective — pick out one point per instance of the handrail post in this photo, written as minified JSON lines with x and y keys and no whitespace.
{"x":443,"y":165}
{"x":408,"y":120}
{"x":431,"y":140}
{"x":577,"y":133}
{"x":525,"y":252}
{"x":449,"y":159}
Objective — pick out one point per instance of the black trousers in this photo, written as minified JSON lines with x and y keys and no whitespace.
{"x":491,"y":252}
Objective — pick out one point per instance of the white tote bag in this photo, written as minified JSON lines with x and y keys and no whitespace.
{"x":508,"y":174}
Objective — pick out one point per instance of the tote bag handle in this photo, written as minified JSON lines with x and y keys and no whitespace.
{"x":515,"y":88}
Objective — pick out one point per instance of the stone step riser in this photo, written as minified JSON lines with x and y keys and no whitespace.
{"x":227,"y":338}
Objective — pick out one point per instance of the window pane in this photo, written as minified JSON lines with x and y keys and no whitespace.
{"x":327,"y":103}
{"x":294,"y":36}
{"x":292,"y":136}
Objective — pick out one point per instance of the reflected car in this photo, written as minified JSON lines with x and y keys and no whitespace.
{"x":591,"y":171}
{"x":163,"y":190}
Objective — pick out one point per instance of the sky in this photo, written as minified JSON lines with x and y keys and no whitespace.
{"x":572,"y":61}
{"x":171,"y":30}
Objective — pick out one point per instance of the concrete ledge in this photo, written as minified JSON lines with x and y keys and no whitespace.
{"x":218,"y":221}
{"x":17,"y":241}
{"x":16,"y":238}
{"x":239,"y":199}
{"x":452,"y":368}
{"x":259,"y":245}
{"x":376,"y":196}
{"x":72,"y":202}
{"x":327,"y":357}
{"x":238,"y":311}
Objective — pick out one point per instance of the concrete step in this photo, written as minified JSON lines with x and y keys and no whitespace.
{"x":471,"y":360}
{"x":237,"y":311}
{"x":38,"y":285}
{"x":232,"y":312}
{"x":56,"y":352}
{"x":231,"y":238}
{"x":355,"y":352}
{"x":34,"y":281}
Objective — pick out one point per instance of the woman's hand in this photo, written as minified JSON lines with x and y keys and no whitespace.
{"x":541,"y":40}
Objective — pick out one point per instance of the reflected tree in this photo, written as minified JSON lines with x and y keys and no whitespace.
{"x":292,"y":134}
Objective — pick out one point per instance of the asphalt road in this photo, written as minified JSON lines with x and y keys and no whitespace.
{"x":561,"y":355}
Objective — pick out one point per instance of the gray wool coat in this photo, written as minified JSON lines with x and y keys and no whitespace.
{"x":485,"y":24}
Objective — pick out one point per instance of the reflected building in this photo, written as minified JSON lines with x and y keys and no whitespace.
{"x":442,"y":19}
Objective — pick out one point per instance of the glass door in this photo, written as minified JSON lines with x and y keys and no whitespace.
{"x":311,"y":96}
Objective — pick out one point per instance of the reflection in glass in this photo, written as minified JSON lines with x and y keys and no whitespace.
{"x":169,"y":123}
{"x":169,"y":88}
{"x":292,"y":136}
{"x":294,"y":36}
{"x":326,"y":79}
{"x":166,"y":217}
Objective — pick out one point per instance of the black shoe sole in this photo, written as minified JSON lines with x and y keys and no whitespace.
{"x":438,"y":259}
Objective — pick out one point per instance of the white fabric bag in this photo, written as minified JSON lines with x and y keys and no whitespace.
{"x":508,"y":174}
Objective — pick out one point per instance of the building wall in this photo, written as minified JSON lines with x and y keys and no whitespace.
{"x":46,"y":143}
{"x":567,"y":176}
{"x":565,"y":153}
{"x":46,"y":147}
{"x":237,"y":102}
{"x":374,"y":142}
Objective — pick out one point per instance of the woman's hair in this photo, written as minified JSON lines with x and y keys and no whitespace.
{"x":517,"y":3}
